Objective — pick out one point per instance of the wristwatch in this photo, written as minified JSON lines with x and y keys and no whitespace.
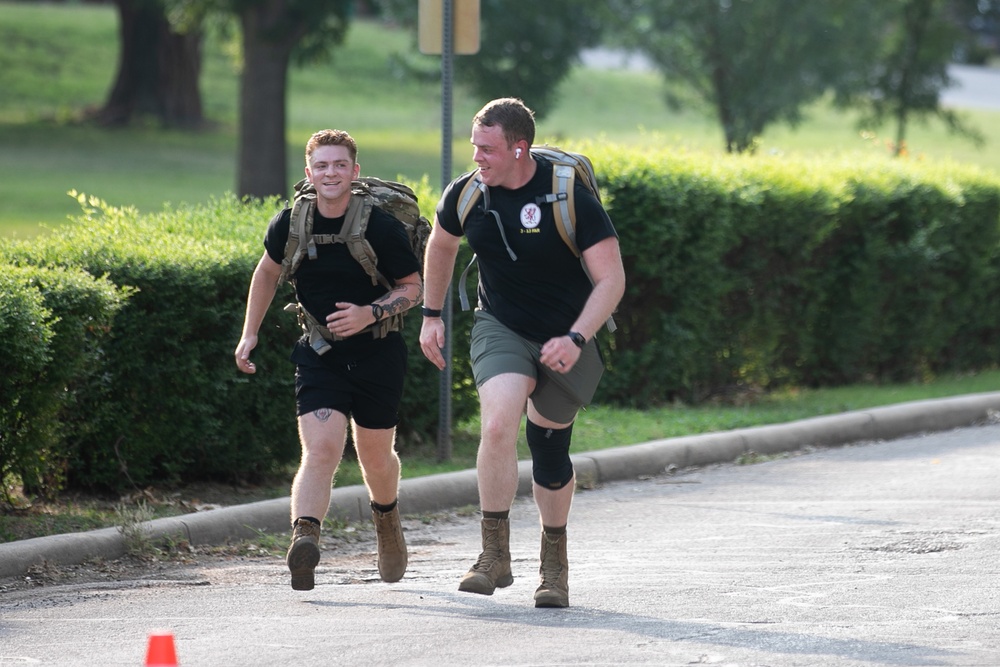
{"x":577,"y":338}
{"x":378,"y":312}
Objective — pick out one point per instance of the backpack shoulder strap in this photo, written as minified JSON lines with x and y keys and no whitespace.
{"x":359,"y":211}
{"x":470,"y":194}
{"x":467,"y":198}
{"x":564,"y":206}
{"x":300,"y":226}
{"x":564,"y":203}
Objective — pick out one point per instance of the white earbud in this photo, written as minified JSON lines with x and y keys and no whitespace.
{"x":517,"y":153}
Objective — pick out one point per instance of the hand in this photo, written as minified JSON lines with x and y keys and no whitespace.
{"x":349,"y":319}
{"x":560,"y":354}
{"x":247,"y":344}
{"x":432,"y":341}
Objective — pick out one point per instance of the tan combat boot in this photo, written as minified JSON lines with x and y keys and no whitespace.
{"x":303,"y":554}
{"x":554,"y":573}
{"x":392,"y":556}
{"x":492,"y":569}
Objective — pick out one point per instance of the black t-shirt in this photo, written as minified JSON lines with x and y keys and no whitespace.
{"x":541,"y":293}
{"x":336,"y":276}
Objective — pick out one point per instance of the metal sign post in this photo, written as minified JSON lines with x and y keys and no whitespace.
{"x":457,"y":32}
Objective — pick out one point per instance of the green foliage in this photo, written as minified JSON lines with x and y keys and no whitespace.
{"x":778,"y":272}
{"x":751,"y":63}
{"x":527,"y":58}
{"x":53,"y":329}
{"x":912,"y":70}
{"x":25,"y":333}
{"x":163,"y":401}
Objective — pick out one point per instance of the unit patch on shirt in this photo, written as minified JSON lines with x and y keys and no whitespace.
{"x":531,"y":215}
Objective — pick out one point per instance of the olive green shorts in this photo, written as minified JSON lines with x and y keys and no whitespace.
{"x":496,"y":350}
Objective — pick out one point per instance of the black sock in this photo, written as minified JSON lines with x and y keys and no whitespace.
{"x":307,"y":518}
{"x":559,"y":530}
{"x":496,"y":515}
{"x":385,"y":508}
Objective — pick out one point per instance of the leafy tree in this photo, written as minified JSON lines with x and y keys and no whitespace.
{"x":158,"y":69}
{"x":753,"y":63}
{"x":907,"y":78}
{"x":979,"y":22}
{"x":526,"y":48}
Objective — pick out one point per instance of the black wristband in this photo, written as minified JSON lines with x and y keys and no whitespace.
{"x":430,"y":312}
{"x":577,"y":338}
{"x":378,"y":312}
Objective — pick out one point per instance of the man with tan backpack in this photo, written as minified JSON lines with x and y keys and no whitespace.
{"x":351,"y":359}
{"x":541,"y":300}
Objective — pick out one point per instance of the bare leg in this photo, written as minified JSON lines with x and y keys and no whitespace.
{"x":502,"y":400}
{"x":379,"y":462}
{"x":322,"y":434}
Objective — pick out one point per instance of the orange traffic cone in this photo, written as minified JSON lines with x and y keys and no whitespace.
{"x":161,"y":650}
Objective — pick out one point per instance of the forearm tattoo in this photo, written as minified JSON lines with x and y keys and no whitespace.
{"x":399,"y":303}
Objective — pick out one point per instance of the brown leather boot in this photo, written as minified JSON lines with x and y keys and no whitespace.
{"x":492,"y":569}
{"x":554,"y":572}
{"x":303,"y":554}
{"x":392,"y":556}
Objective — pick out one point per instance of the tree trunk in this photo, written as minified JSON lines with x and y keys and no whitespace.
{"x":158,"y":70}
{"x":262,"y":162}
{"x":180,"y":67}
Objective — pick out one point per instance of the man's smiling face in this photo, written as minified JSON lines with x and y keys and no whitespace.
{"x":331,"y":171}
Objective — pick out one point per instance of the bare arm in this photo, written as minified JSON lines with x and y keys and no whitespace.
{"x":263,"y":286}
{"x":439,"y":264}
{"x":604,"y":263}
{"x":350,"y":318}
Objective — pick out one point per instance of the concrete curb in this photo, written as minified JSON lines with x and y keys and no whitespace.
{"x":457,"y":489}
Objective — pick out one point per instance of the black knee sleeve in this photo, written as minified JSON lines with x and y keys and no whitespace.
{"x":551,"y":467}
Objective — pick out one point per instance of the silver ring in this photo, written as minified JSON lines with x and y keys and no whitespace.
{"x":562,"y":363}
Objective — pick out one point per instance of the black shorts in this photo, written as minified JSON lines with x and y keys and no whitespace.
{"x":367,"y":389}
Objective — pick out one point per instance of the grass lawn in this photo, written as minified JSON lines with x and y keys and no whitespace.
{"x":60,"y":59}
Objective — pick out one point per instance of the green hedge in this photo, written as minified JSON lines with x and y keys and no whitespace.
{"x":769,"y":271}
{"x":53,"y":324}
{"x":760,"y":272}
{"x":165,"y":402}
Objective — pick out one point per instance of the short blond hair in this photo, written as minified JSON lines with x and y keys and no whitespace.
{"x":331,"y":138}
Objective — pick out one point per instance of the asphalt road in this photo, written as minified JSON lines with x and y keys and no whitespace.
{"x":879,"y":553}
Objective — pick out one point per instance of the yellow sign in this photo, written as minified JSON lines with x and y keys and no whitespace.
{"x":464,"y":31}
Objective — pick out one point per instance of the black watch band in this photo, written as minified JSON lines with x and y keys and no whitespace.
{"x":577,"y":338}
{"x":430,"y":312}
{"x":378,"y":312}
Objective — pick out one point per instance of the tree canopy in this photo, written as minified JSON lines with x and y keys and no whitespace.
{"x":752,"y":63}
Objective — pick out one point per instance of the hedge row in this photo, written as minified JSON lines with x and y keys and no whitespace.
{"x":53,"y":325}
{"x":161,"y":399}
{"x":762,"y":271}
{"x":769,"y":271}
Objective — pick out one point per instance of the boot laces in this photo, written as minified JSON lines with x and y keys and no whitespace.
{"x":386,"y":530}
{"x":490,"y":554}
{"x":551,"y":567}
{"x":305,"y":529}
